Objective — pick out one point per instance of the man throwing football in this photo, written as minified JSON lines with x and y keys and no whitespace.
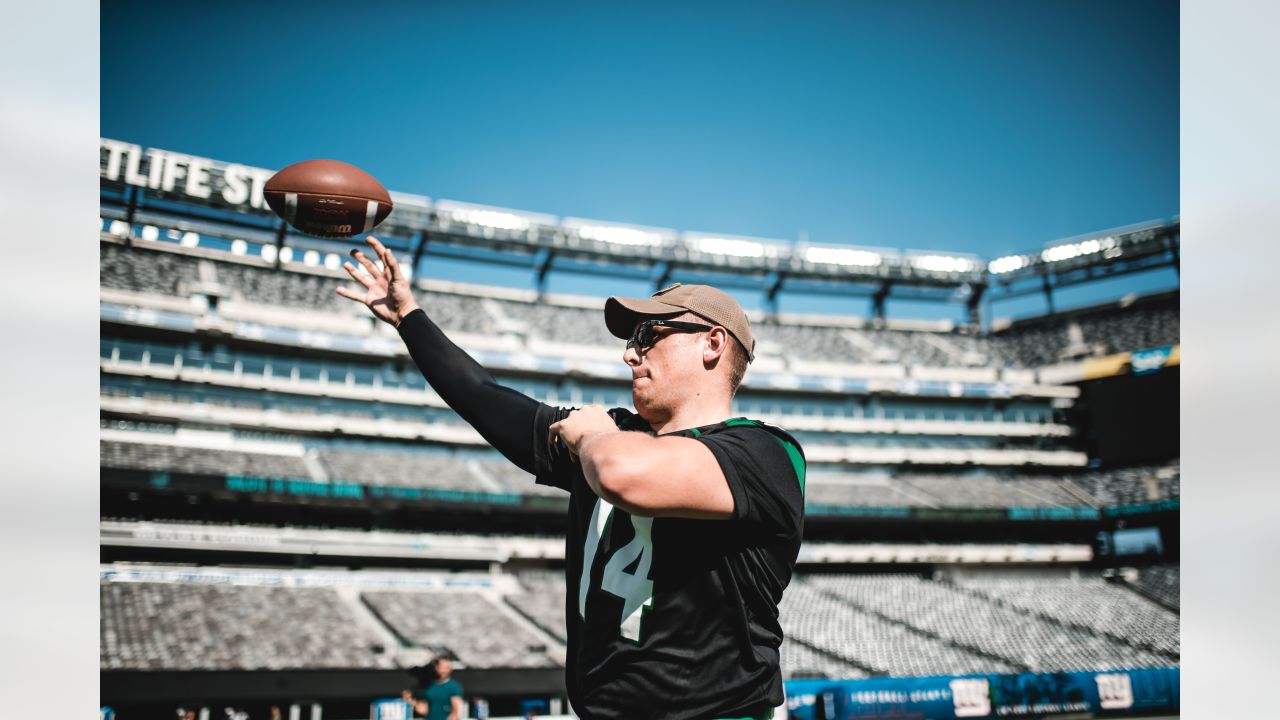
{"x":684,"y":522}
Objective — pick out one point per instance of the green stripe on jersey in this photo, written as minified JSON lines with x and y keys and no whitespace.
{"x":797,"y":460}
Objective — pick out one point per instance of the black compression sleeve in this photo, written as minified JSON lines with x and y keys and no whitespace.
{"x":501,"y":415}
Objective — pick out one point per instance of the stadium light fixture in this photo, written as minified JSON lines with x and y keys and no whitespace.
{"x":842,"y":256}
{"x":239,"y":247}
{"x":268,"y":253}
{"x":286,"y":254}
{"x":943,"y":263}
{"x":730,"y":246}
{"x":618,"y":234}
{"x":332,"y":261}
{"x":150,"y":233}
{"x":119,"y":228}
{"x":311,"y":258}
{"x":734,"y":245}
{"x":1006,"y":264}
{"x":190,"y":239}
{"x":491,"y":217}
{"x":500,"y":220}
{"x":1068,"y":251}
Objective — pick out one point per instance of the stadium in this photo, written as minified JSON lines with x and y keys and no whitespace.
{"x":292,"y":517}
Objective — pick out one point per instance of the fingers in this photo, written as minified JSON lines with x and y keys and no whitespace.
{"x":356,"y":275}
{"x":388,"y":258}
{"x":390,"y":266}
{"x":556,"y":432}
{"x":381,"y":251}
{"x":367,"y":263}
{"x":349,"y":294}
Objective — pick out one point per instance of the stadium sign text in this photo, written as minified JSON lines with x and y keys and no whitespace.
{"x":171,"y":172}
{"x":1149,"y":361}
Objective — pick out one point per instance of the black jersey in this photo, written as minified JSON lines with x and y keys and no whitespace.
{"x":672,"y":617}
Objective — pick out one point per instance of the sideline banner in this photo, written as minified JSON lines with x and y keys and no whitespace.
{"x":390,"y":709}
{"x":991,"y":695}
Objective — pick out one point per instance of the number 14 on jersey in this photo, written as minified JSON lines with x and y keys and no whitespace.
{"x":635,"y":588}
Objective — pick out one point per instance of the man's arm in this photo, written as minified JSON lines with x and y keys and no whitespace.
{"x":501,"y":415}
{"x":456,"y":711}
{"x":645,"y":475}
{"x":419,"y":706}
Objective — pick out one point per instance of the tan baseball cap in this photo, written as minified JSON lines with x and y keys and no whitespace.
{"x":622,"y":314}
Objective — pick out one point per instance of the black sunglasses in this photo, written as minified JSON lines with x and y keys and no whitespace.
{"x":644,"y":336}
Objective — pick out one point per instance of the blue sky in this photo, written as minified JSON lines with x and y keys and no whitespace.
{"x":987,"y":127}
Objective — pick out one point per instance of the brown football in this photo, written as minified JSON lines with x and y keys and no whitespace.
{"x":328,"y":198}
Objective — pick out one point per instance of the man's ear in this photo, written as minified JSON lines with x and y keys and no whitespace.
{"x":717,"y":344}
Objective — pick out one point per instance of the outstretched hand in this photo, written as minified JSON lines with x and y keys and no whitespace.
{"x":386,"y":291}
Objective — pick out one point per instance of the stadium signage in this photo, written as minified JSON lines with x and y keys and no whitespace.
{"x":172,"y":172}
{"x":1149,"y":361}
{"x":1147,"y":690}
{"x":390,"y":709}
{"x":1146,"y":507}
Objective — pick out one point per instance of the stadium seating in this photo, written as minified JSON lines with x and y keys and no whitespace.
{"x":544,"y":600}
{"x":870,"y":346}
{"x":1131,"y":486}
{"x":1028,"y":344}
{"x":994,"y":630}
{"x":912,"y":347}
{"x":1088,"y":602}
{"x":1132,"y":329}
{"x":141,"y":271}
{"x":1107,"y":330}
{"x":380,"y":465}
{"x":512,"y":479}
{"x":169,"y":273}
{"x":192,"y":626}
{"x":204,"y":461}
{"x":457,"y":313}
{"x":386,"y":464}
{"x":1158,"y":582}
{"x":1031,"y":346}
{"x":837,"y":628}
{"x":1122,"y":486}
{"x":870,"y":490}
{"x":969,"y":490}
{"x":465,"y":625}
{"x":288,"y":289}
{"x":558,"y":323}
{"x":359,"y":380}
{"x":813,"y":343}
{"x":802,"y":661}
{"x":399,"y":468}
